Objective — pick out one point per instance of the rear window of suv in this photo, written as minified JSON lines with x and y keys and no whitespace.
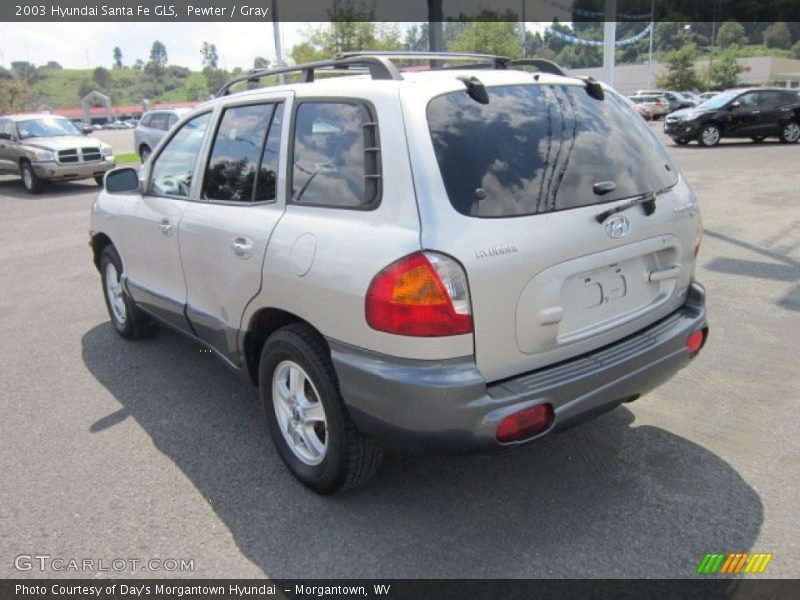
{"x":541,"y":148}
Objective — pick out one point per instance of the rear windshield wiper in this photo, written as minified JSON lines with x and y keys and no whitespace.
{"x":646,"y":200}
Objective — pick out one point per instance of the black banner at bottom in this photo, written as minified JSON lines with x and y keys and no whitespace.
{"x":395,"y":589}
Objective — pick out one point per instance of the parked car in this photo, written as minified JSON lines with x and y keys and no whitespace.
{"x":656,"y":104}
{"x":757,"y":113}
{"x":446,"y":259}
{"x":706,"y":96}
{"x":675,"y":100}
{"x":640,"y":108}
{"x":152,"y":127}
{"x":45,"y":147}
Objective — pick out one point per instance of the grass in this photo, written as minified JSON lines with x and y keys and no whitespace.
{"x":127,"y":158}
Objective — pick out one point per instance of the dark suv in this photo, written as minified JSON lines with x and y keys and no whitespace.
{"x":755,"y":113}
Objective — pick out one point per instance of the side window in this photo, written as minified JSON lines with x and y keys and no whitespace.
{"x":335,"y":160}
{"x":237,"y":152}
{"x":172,"y":171}
{"x":749,"y":100}
{"x":145,"y":122}
{"x":7,"y":127}
{"x":159,"y":121}
{"x":171,"y":120}
{"x":774,"y":98}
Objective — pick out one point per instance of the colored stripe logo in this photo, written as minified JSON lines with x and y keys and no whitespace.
{"x":733,"y":563}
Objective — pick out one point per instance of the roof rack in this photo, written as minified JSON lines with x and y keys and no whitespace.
{"x":380,"y":66}
{"x":498,"y":62}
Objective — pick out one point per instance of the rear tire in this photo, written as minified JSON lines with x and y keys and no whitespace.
{"x":790,"y":132}
{"x":128,"y":319}
{"x":307,"y":418}
{"x":30,"y":179}
{"x":99,"y":180}
{"x":144,"y":153}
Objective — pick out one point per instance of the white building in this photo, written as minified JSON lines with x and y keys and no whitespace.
{"x":757,"y":71}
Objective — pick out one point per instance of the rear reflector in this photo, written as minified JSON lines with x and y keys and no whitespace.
{"x":696,"y":341}
{"x":525,"y":423}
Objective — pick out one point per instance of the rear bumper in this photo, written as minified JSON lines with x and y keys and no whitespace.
{"x":447,"y":405}
{"x":56,"y":172}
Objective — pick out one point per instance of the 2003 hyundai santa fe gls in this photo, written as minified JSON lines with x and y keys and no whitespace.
{"x":457,"y":259}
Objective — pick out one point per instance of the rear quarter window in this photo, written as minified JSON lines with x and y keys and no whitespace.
{"x":541,"y":148}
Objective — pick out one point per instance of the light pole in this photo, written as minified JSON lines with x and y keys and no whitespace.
{"x":609,"y":37}
{"x":652,"y":33}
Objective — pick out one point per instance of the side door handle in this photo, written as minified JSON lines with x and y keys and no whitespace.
{"x":166,"y":227}
{"x":242,"y":247}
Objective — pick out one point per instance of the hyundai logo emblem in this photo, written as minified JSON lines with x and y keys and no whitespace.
{"x":618,"y":227}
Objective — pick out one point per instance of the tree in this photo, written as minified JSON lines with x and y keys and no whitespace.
{"x":102,"y":77}
{"x":259,"y":62}
{"x":196,"y":90}
{"x":778,"y":35}
{"x":139,"y":64}
{"x":496,"y":37}
{"x":25,"y":71}
{"x":210,"y":56}
{"x":731,"y":33}
{"x":680,"y":73}
{"x":725,"y":71}
{"x":15,"y":95}
{"x":416,"y":39}
{"x":158,"y":54}
{"x":117,"y":57}
{"x":796,"y":50}
{"x":342,"y":36}
{"x":51,"y":64}
{"x":215,"y":78}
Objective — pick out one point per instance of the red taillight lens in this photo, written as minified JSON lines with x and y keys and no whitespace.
{"x":525,"y":423}
{"x":423,"y":294}
{"x":696,"y":341}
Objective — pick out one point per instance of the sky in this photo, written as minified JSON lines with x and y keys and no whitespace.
{"x":82,"y":45}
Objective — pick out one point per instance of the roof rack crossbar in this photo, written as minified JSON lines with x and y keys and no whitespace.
{"x":499,"y":62}
{"x":379,"y":68}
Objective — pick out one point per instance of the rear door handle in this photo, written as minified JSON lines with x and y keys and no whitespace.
{"x":166,"y":227}
{"x":242,"y":247}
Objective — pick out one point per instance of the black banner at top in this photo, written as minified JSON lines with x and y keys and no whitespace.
{"x":399,"y":10}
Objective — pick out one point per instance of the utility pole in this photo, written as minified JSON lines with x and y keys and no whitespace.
{"x":523,"y":32}
{"x":609,"y":37}
{"x":276,"y":33}
{"x":435,"y":29}
{"x":652,"y":33}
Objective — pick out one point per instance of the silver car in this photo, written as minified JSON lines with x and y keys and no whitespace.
{"x":460,"y":260}
{"x":153,"y":126}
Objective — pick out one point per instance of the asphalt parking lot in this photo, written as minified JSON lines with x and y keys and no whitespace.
{"x":153,"y":449}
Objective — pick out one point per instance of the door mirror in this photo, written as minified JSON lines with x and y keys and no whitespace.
{"x":735,"y":104}
{"x":122,"y":181}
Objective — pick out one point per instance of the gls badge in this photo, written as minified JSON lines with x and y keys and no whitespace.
{"x":618,"y":227}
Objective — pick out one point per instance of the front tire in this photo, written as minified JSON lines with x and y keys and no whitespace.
{"x":144,"y":153}
{"x":307,"y":419}
{"x":710,"y":135}
{"x":790,"y":132}
{"x":128,"y":320}
{"x":30,"y":179}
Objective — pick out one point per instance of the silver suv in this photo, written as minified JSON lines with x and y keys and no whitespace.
{"x":457,"y":259}
{"x":153,"y":126}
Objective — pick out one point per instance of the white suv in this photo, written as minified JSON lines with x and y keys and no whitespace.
{"x":461,"y":259}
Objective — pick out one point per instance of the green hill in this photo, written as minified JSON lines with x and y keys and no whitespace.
{"x":63,"y":88}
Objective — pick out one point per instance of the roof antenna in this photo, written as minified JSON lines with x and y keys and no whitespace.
{"x":593,"y":88}
{"x":475,"y":89}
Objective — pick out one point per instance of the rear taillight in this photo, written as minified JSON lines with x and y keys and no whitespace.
{"x":424,"y":294}
{"x":525,"y":423}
